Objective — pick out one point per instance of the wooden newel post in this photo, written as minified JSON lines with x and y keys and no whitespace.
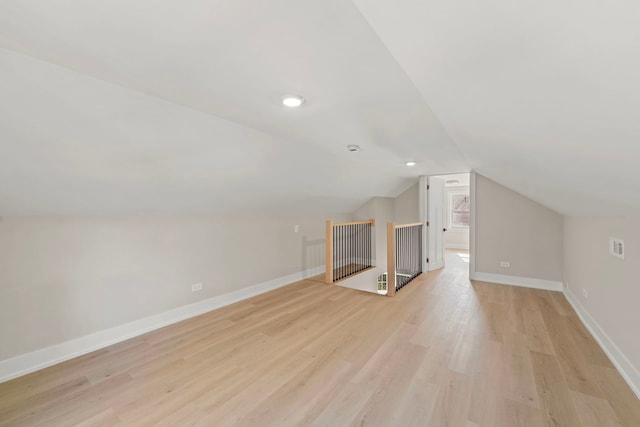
{"x":391,"y":259}
{"x":328,"y":275}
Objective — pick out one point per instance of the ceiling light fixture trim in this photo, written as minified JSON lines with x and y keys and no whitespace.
{"x":292,"y":101}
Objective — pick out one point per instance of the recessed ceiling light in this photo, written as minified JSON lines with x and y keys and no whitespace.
{"x":292,"y":101}
{"x":353,"y":147}
{"x":410,"y":163}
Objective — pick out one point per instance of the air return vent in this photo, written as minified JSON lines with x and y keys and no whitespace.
{"x":616,"y":247}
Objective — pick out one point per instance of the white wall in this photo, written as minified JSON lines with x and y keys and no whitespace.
{"x":402,"y":209}
{"x":406,"y":210}
{"x":612,"y":283}
{"x":66,"y":277}
{"x":454,"y":238}
{"x":510,"y":227}
{"x":382,"y":209}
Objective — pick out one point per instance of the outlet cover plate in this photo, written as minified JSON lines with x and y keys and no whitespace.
{"x":616,"y":247}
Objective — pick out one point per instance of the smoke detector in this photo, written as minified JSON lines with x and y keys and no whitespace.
{"x":353,"y":148}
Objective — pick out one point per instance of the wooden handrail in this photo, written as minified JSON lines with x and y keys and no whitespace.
{"x":328,"y":275}
{"x":413,"y":224}
{"x":371,"y":221}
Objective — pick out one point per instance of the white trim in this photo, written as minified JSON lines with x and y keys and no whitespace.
{"x":472,"y":225}
{"x":462,"y":246}
{"x":526,"y":282}
{"x":626,"y":369}
{"x":629,"y":372}
{"x":48,"y":356}
{"x":422,"y":214}
{"x":436,"y":265}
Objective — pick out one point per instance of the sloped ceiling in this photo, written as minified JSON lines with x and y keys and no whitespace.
{"x":540,"y":96}
{"x":157,"y":106}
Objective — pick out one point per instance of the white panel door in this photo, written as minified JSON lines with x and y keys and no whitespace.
{"x":436,"y":220}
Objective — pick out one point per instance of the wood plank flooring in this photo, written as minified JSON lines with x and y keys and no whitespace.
{"x":443,"y":352}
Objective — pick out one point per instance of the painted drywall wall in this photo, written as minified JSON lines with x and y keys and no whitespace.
{"x":382,"y":209}
{"x":406,"y":208}
{"x":611,"y":283}
{"x":454,"y":238}
{"x":510,"y":227}
{"x":366,"y":281}
{"x":402,"y":209}
{"x":66,"y":277}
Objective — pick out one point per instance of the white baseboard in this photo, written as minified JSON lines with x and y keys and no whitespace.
{"x":461,"y":246}
{"x":526,"y":282}
{"x":629,"y":372}
{"x":48,"y":356}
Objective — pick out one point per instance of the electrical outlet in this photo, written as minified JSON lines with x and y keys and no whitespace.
{"x":296,"y":228}
{"x":616,"y":247}
{"x":585,"y":293}
{"x":505,"y":264}
{"x":196,"y":287}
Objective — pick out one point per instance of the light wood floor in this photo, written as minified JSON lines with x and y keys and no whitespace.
{"x":443,"y":352}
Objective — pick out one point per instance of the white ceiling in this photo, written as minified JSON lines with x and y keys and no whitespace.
{"x":542,"y":96}
{"x":162,"y":106}
{"x":463,"y":179}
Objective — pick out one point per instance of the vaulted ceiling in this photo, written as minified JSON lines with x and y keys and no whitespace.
{"x":157,"y":106}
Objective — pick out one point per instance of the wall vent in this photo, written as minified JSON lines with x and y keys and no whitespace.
{"x":616,"y":247}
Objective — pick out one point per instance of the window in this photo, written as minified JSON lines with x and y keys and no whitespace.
{"x":459,"y":208}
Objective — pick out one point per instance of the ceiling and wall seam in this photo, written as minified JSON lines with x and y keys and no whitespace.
{"x":422,"y":95}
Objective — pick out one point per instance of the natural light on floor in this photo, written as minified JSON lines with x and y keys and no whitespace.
{"x":464,"y":256}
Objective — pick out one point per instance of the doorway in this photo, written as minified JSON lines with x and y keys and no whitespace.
{"x":446,"y":207}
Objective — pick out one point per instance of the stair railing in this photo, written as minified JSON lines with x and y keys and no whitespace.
{"x":404,"y":254}
{"x":349,"y":249}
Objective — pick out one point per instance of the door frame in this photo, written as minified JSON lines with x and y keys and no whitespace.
{"x":472,"y":225}
{"x":423,"y":214}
